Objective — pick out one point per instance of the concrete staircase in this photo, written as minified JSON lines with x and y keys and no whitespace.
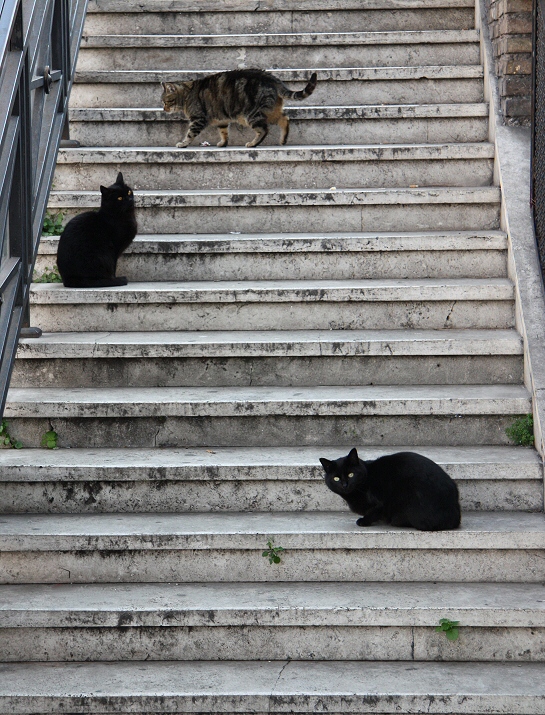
{"x":284,"y":303}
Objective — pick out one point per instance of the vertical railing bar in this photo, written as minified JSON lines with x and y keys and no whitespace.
{"x":33,"y":34}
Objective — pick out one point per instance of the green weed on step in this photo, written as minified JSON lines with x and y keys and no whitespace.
{"x":52,"y":224}
{"x":449,"y":628}
{"x":49,"y":439}
{"x":272,"y":553}
{"x":50,"y":275}
{"x":522,"y":431}
{"x":6,"y":440}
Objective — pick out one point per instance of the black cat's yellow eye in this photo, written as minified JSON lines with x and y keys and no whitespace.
{"x":129,"y":193}
{"x":336,"y":479}
{"x":120,"y":198}
{"x":350,"y":475}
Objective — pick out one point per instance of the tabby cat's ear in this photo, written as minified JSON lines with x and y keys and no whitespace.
{"x":326,"y":463}
{"x":188,"y":84}
{"x":169,"y":86}
{"x":353,"y":456}
{"x":119,"y":179}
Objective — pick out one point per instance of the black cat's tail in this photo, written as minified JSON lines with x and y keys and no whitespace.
{"x":301,"y":94}
{"x":94,"y":282}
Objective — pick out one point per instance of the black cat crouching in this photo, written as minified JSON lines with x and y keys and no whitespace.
{"x":91,"y":243}
{"x":403,"y":489}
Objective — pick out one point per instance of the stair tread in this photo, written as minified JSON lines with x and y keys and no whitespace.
{"x":366,"y":290}
{"x":251,"y":530}
{"x":378,"y":111}
{"x":273,"y":604}
{"x":260,"y":401}
{"x":288,"y":197}
{"x":304,"y":242}
{"x":144,"y":6}
{"x":261,"y":686}
{"x":287,"y":39}
{"x":421,"y":72}
{"x":270,"y":343}
{"x":292,"y":153}
{"x":272,"y":463}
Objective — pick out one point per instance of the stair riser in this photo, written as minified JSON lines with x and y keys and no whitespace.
{"x":343,"y":265}
{"x":289,"y":57}
{"x":305,"y":132}
{"x":270,"y":175}
{"x":283,"y":218}
{"x":338,"y":705}
{"x":210,"y":23}
{"x":91,"y":497}
{"x":272,"y":431}
{"x":274,"y":316}
{"x":328,"y":92}
{"x":184,"y":566}
{"x":254,"y":371}
{"x":248,"y":642}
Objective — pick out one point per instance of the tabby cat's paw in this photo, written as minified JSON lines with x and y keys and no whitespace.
{"x":182,"y":145}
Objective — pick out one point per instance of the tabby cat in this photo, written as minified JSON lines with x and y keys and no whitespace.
{"x":92,"y":242}
{"x":249,"y":97}
{"x":403,"y":489}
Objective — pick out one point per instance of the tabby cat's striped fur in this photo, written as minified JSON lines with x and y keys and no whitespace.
{"x":250,"y":97}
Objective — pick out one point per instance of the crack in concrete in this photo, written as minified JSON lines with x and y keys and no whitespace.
{"x":282,"y":669}
{"x":450,"y":312}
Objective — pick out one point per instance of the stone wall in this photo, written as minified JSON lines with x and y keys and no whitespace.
{"x":510,"y":23}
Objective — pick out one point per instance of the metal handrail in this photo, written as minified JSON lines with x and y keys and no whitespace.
{"x":39,"y":43}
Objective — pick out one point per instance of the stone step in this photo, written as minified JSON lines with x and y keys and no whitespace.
{"x":291,"y":167}
{"x":336,"y":86}
{"x":280,"y":416}
{"x":179,"y":257}
{"x":277,"y":305}
{"x":285,"y":621}
{"x":205,"y":17}
{"x":263,"y":687}
{"x":325,"y":546}
{"x":241,"y":51}
{"x":384,"y":124}
{"x":169,"y":359}
{"x":235,"y":479}
{"x":293,"y":210}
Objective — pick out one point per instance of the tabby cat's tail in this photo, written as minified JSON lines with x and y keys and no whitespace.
{"x":302,"y":94}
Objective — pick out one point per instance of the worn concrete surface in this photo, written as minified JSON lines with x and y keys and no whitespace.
{"x":279,"y":686}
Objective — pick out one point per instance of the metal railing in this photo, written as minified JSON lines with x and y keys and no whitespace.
{"x":39,"y":43}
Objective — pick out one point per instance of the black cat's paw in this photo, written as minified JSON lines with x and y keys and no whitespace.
{"x":361,"y":522}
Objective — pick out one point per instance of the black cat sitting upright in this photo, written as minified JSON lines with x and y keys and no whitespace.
{"x":403,"y":489}
{"x":92,"y":242}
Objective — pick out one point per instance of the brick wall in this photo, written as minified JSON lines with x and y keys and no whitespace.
{"x":510,"y":23}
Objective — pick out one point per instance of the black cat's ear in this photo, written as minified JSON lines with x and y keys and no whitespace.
{"x":104,"y":191}
{"x":326,"y":463}
{"x":119,"y":179}
{"x":353,"y":456}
